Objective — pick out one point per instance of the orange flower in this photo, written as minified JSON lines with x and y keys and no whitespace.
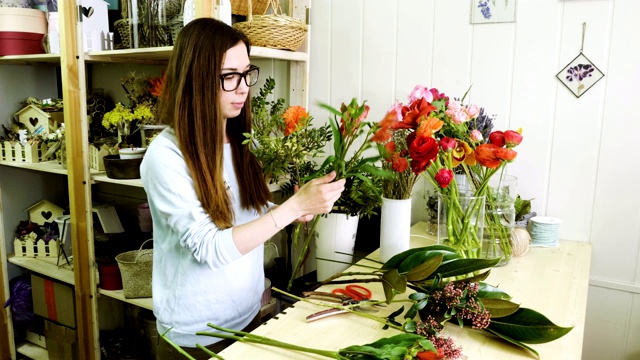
{"x":486,"y":154}
{"x":157,"y":84}
{"x":386,"y":126}
{"x":294,"y":117}
{"x":506,"y":154}
{"x":429,"y":126}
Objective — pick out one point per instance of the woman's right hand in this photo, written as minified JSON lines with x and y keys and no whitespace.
{"x":318,"y":195}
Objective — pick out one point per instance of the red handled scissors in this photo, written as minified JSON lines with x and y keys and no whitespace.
{"x":355,"y":292}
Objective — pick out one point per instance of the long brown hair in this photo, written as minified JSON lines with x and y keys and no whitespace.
{"x":189,"y":104}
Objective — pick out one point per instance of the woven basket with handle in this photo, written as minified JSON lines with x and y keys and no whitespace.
{"x":136,"y":267}
{"x":241,"y":7}
{"x":274,"y":30}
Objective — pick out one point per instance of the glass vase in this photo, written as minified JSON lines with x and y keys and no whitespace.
{"x":500,"y":218}
{"x":461,"y":223}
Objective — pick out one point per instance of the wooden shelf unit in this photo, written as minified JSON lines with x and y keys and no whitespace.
{"x":80,"y":177}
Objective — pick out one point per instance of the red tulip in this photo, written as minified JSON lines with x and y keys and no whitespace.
{"x":444,"y":177}
{"x":512,"y":138}
{"x":497,"y":138}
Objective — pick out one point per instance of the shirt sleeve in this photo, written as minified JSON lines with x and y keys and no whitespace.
{"x":175,"y":205}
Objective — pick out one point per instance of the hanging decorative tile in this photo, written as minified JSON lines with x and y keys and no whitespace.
{"x":580,"y":74}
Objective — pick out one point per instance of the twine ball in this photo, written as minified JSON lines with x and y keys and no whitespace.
{"x":520,"y":241}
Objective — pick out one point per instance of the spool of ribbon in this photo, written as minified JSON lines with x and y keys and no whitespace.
{"x":545,"y":231}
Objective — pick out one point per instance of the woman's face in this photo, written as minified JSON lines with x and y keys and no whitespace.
{"x":236,"y":60}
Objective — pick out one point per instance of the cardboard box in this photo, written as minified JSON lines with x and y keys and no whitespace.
{"x":53,"y":300}
{"x":61,"y":341}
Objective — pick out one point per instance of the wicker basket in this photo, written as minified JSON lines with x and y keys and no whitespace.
{"x":241,"y":7}
{"x":274,"y":31}
{"x":136,"y":267}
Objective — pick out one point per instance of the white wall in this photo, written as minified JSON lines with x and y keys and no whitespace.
{"x":578,"y":159}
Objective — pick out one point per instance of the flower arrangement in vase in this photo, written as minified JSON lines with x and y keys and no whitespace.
{"x":286,"y":143}
{"x":142,"y":92}
{"x":447,"y":138}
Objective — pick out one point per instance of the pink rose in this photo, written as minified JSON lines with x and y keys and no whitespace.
{"x":420,"y":92}
{"x":476,"y":135}
{"x":473,"y":111}
{"x":448,"y":144}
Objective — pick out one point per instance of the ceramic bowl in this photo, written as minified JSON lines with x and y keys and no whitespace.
{"x":132,"y":153}
{"x":118,"y":168}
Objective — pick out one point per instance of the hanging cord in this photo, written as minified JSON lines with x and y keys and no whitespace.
{"x":584,"y":30}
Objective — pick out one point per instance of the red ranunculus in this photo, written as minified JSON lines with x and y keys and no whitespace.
{"x":486,"y":155}
{"x":444,"y":177}
{"x":423,"y":150}
{"x":497,"y":138}
{"x":447,"y":144}
{"x":506,"y":154}
{"x":512,"y":138}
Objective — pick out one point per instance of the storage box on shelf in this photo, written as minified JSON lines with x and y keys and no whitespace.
{"x":53,"y":300}
{"x":62,"y":341}
{"x":21,"y":31}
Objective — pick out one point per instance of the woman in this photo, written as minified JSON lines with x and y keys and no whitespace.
{"x":207,"y":193}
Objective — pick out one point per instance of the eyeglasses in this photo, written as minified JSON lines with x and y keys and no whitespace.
{"x":231,"y":81}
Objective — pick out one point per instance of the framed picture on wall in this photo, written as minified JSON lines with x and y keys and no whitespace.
{"x":493,"y":11}
{"x":579,"y":75}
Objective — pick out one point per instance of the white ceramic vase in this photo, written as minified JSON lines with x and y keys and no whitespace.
{"x":395,"y":227}
{"x":335,"y":233}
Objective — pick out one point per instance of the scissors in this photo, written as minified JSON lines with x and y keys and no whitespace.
{"x":355,"y":292}
{"x":354,"y":296}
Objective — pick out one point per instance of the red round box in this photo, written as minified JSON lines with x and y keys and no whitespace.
{"x":110,"y":278}
{"x":20,"y":43}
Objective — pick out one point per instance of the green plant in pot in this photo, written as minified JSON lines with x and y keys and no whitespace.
{"x":353,"y":158}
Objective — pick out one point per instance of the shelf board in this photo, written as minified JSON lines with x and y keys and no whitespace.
{"x":46,"y":266}
{"x":32,"y":59}
{"x":45,"y":166}
{"x":102,"y":177}
{"x":160,"y":55}
{"x":146,"y":303}
{"x":32,"y":351}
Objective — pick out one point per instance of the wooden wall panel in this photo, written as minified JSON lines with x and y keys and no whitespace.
{"x":615,"y":202}
{"x":605,"y":336}
{"x":577,"y":123}
{"x":577,"y":159}
{"x":533,"y":96}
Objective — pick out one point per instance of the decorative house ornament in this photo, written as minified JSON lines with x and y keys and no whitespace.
{"x":38,"y":121}
{"x":44,"y":211}
{"x":580,"y":74}
{"x":95,"y":25}
{"x":493,"y":11}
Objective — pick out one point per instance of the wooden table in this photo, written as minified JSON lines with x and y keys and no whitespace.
{"x":552,"y":281}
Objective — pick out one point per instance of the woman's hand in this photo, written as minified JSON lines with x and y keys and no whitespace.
{"x":317,"y":196}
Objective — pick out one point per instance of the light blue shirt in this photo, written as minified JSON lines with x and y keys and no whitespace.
{"x":199,"y":276}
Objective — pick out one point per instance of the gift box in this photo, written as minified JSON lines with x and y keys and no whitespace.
{"x":61,"y":341}
{"x":21,"y":31}
{"x":53,"y":300}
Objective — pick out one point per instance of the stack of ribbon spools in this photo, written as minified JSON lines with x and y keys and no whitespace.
{"x":545,"y":231}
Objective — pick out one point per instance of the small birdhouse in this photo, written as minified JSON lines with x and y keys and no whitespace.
{"x":34,"y":119}
{"x":95,"y":25}
{"x":44,"y":211}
